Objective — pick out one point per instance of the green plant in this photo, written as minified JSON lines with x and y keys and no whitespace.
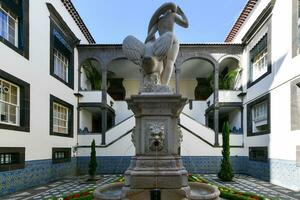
{"x":226,"y":172}
{"x":93,"y":161}
{"x":93,"y":76}
{"x":226,"y":82}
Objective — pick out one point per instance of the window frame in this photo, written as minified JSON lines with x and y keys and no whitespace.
{"x":250,"y":106}
{"x":267,"y":39}
{"x":21,"y":10}
{"x":24,"y":103}
{"x":66,"y":151}
{"x":70,"y":133}
{"x":16,"y":22}
{"x":62,"y":59}
{"x":13,"y":166}
{"x":12,"y":104}
{"x":59,"y":119}
{"x":64,"y":47}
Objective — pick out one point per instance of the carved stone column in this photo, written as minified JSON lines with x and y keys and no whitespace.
{"x":216,"y":104}
{"x":177,"y":80}
{"x":104,"y":104}
{"x":157,"y":139}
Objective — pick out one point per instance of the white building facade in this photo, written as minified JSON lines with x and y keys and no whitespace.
{"x":52,"y":108}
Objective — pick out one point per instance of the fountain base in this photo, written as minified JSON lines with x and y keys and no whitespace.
{"x":157,"y":164}
{"x":195,"y":191}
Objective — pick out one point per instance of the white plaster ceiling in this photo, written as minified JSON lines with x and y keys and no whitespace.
{"x":194,"y":68}
{"x":124,"y":68}
{"x":231,"y":63}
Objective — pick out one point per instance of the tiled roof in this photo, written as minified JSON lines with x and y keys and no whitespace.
{"x":75,"y":15}
{"x":241,"y":19}
{"x":182,"y":45}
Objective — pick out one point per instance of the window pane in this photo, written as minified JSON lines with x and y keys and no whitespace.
{"x":3,"y":112}
{"x":12,"y":114}
{"x":5,"y":91}
{"x":8,"y":26}
{"x":3,"y":23}
{"x":14,"y":95}
{"x":11,"y":30}
{"x":60,"y":120}
{"x":60,"y":65}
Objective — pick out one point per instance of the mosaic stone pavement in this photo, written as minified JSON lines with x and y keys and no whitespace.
{"x":246,"y":183}
{"x":60,"y":188}
{"x":75,"y":184}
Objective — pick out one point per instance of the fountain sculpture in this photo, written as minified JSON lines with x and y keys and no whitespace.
{"x":156,"y":171}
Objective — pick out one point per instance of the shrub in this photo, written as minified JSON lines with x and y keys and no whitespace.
{"x":93,"y":161}
{"x":226,"y":173}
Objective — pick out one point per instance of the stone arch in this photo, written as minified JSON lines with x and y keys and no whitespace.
{"x":81,"y":73}
{"x":230,"y":64}
{"x":229,"y":56}
{"x":211,"y":67}
{"x":126,"y":78}
{"x":183,"y":58}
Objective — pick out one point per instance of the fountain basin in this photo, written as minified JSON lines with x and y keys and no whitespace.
{"x":111,"y":191}
{"x":204,"y":191}
{"x":115,"y":191}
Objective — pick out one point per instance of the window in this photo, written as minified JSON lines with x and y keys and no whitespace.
{"x":259,"y":61}
{"x":61,"y":117}
{"x":60,"y":155}
{"x":14,"y":25}
{"x":61,"y":59}
{"x":260,"y":113}
{"x":260,"y":64}
{"x":9,"y":103}
{"x":258,"y":116}
{"x":9,"y":26}
{"x":61,"y":63}
{"x":258,"y":154}
{"x":62,"y":44}
{"x":12,"y":158}
{"x":14,"y":103}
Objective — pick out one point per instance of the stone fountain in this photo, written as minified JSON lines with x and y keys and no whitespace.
{"x":156,"y":172}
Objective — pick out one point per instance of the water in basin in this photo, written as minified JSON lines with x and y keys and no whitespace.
{"x":199,"y":191}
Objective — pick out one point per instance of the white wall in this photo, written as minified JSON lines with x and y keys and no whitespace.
{"x":121,"y":110}
{"x":191,"y":146}
{"x":35,"y":71}
{"x":235,"y":119}
{"x":281,"y":141}
{"x":86,"y":119}
{"x":187,"y":88}
{"x":197,"y":112}
{"x":84,"y":83}
{"x":131,"y":87}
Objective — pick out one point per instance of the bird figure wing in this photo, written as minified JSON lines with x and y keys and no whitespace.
{"x":133,"y":49}
{"x":162,"y":45}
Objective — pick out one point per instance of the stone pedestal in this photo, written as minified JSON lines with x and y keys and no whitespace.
{"x":157,"y":138}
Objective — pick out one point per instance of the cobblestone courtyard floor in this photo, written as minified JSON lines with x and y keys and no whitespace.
{"x":74,"y":184}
